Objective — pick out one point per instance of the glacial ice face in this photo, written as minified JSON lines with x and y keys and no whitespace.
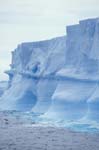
{"x":37,"y":57}
{"x":57,"y":77}
{"x":70,"y":98}
{"x":3,"y":87}
{"x":30,"y":62}
{"x":82,"y":46}
{"x":93,"y":104}
{"x":45,"y":90}
{"x":21,"y":95}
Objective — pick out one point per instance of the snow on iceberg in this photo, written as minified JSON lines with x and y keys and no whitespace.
{"x":57,"y":77}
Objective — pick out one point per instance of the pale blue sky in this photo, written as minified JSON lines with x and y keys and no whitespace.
{"x":31,"y":20}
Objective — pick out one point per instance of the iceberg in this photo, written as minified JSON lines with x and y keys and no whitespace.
{"x":3,"y":87}
{"x":58,"y":78}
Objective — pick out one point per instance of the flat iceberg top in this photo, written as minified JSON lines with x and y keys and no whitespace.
{"x":78,"y":51}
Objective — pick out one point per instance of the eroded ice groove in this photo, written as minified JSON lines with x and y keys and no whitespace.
{"x":21,"y":95}
{"x":69,"y":100}
{"x":45,"y":90}
{"x":3,"y":87}
{"x":93,"y":105}
{"x":57,"y":77}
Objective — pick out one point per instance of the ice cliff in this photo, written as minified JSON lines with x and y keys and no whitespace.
{"x":57,"y":77}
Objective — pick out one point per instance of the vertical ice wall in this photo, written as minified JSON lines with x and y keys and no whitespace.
{"x":82,"y":46}
{"x":77,"y":98}
{"x":58,"y":77}
{"x":31,"y":60}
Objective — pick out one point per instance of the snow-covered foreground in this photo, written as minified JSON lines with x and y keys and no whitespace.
{"x":19,"y":133}
{"x":16,"y":117}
